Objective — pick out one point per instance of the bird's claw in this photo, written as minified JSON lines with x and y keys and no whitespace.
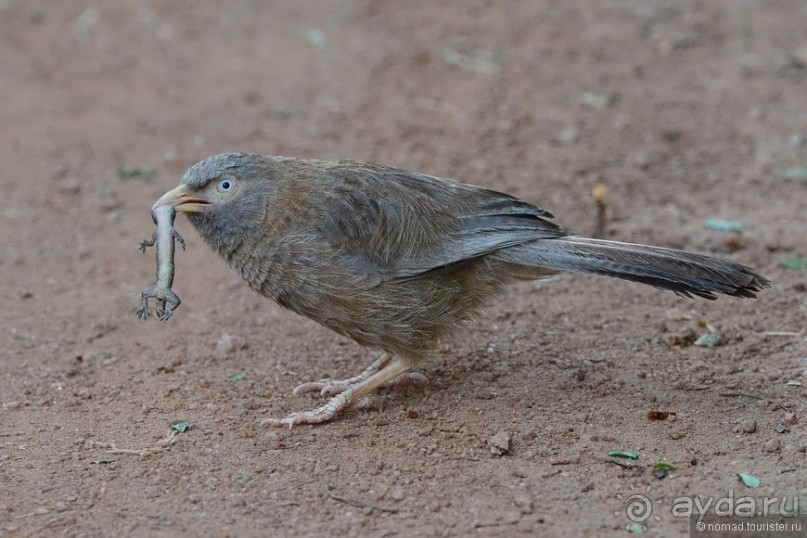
{"x":356,"y":392}
{"x":335,"y":405}
{"x":331,"y":387}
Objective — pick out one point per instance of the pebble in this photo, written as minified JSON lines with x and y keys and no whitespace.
{"x":511,"y":517}
{"x":227,"y":345}
{"x":69,"y":186}
{"x":799,"y":56}
{"x":790,"y":419}
{"x":95,"y":355}
{"x":569,"y":135}
{"x":774,"y":445}
{"x":675,"y":435}
{"x":500,"y":443}
{"x":750,"y":426}
{"x":524,"y":503}
{"x":486,"y":393}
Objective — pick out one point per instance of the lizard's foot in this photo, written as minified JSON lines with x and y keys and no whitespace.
{"x":167,"y":301}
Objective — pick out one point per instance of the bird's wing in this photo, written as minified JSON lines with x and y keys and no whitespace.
{"x":400,"y":225}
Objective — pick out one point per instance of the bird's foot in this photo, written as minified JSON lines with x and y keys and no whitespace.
{"x":335,"y":405}
{"x":385,"y":370}
{"x":332,"y":387}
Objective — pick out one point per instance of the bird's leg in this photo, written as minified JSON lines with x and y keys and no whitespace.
{"x":393,"y":367}
{"x":164,"y":237}
{"x":330,"y":387}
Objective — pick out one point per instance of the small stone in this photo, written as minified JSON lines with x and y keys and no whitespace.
{"x":790,"y":419}
{"x":799,"y":56}
{"x":227,"y":345}
{"x":69,"y":186}
{"x":95,"y":355}
{"x":486,"y":393}
{"x":675,"y":435}
{"x":500,"y":443}
{"x":529,"y":435}
{"x":599,"y":101}
{"x":673,"y":340}
{"x":569,"y":135}
{"x":774,"y":445}
{"x":397,"y":495}
{"x":524,"y":503}
{"x":750,"y":426}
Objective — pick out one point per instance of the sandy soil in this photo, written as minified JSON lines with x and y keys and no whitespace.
{"x":686,"y":110}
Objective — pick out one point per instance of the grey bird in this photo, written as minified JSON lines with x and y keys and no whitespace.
{"x":395,"y":260}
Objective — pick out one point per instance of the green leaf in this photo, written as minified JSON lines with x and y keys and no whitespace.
{"x":749,"y":480}
{"x":796,"y":262}
{"x":181,"y":425}
{"x":708,"y":340}
{"x":136,"y":173}
{"x":103,"y":460}
{"x":623,"y":454}
{"x":237,"y":377}
{"x":315,"y":38}
{"x":635,"y":528}
{"x":795,"y":173}
{"x":240,"y":479}
{"x":723,"y":225}
{"x":662,"y":465}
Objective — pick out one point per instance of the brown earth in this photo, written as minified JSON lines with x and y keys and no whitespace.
{"x":685,"y":110}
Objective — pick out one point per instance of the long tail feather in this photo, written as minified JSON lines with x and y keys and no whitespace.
{"x":684,"y":273}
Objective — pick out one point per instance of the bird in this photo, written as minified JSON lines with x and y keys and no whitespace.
{"x":396,"y":260}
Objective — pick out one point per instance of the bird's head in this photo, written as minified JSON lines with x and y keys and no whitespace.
{"x":225,"y":196}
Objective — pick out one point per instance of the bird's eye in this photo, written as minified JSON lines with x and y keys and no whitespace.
{"x":225,"y":185}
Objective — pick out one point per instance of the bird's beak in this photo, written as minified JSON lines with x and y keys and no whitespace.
{"x":182,"y":199}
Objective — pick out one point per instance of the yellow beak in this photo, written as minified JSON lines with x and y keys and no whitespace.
{"x":183,"y":200}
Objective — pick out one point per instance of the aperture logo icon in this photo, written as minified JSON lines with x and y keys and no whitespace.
{"x":639,"y":508}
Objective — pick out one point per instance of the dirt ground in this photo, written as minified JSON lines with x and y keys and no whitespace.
{"x":687,"y":110}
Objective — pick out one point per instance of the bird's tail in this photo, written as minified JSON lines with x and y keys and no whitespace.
{"x":684,"y":273}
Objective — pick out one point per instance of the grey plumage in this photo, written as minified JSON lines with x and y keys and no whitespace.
{"x":395,"y":259}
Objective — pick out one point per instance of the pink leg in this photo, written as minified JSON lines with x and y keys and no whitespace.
{"x":331,"y":387}
{"x":392,"y":368}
